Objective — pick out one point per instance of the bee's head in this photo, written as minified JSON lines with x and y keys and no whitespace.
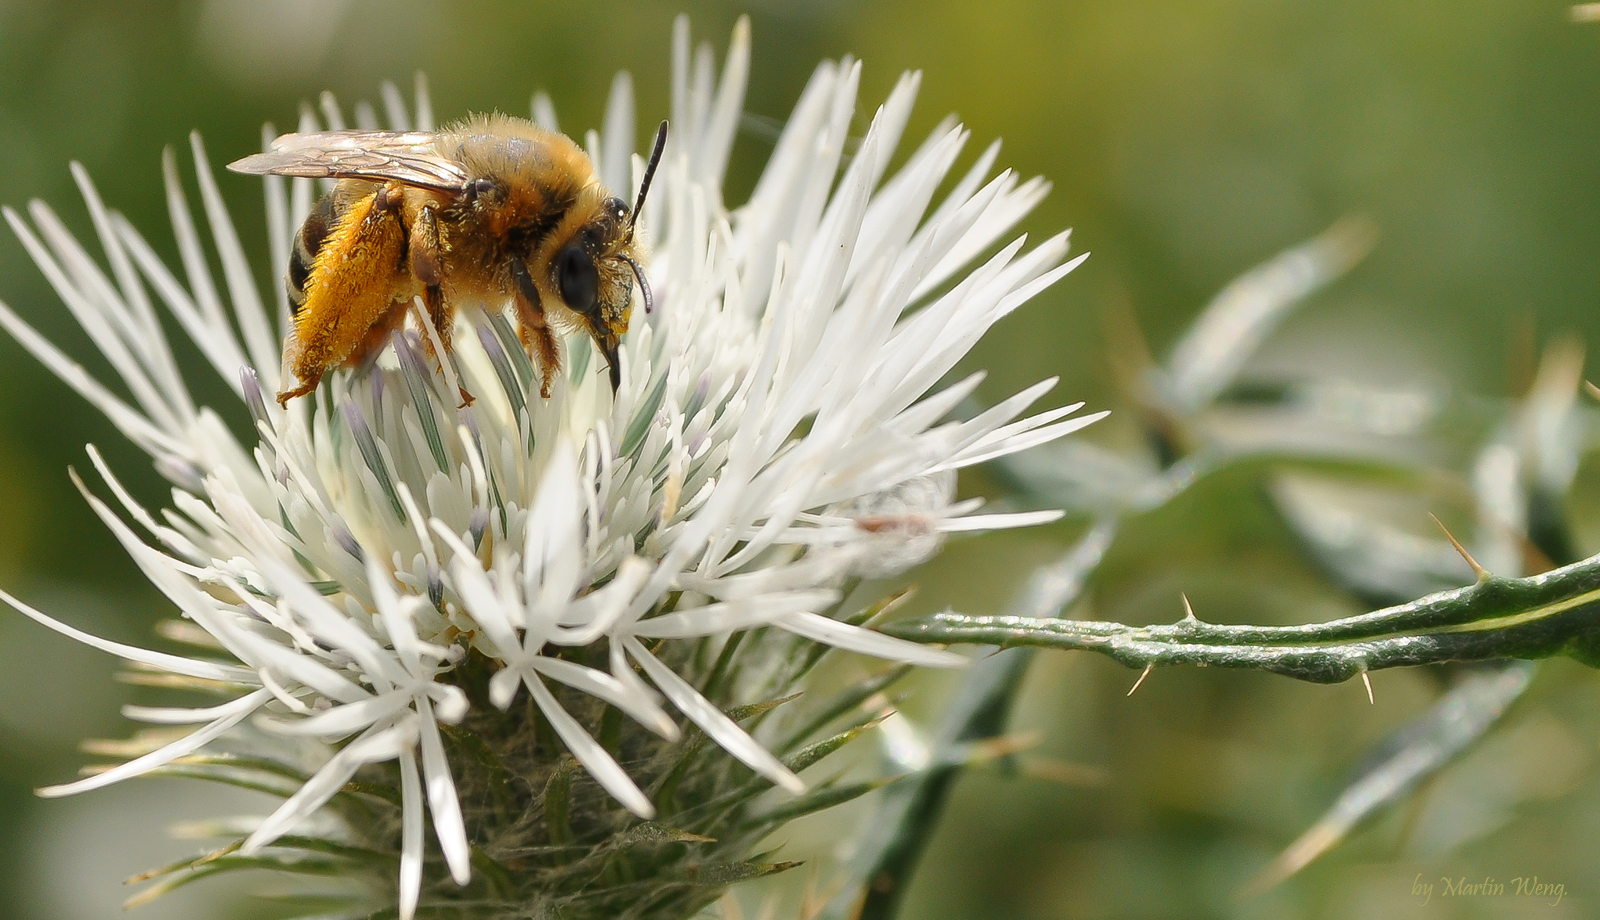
{"x":595,"y":271}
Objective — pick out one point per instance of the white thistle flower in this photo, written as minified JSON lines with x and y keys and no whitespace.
{"x":773,"y":435}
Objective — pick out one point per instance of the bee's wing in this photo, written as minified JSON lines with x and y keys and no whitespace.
{"x":409,"y":157}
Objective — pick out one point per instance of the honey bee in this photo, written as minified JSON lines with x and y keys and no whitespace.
{"x":492,"y":209}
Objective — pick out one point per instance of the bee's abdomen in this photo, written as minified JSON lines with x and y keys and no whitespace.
{"x":307,"y":243}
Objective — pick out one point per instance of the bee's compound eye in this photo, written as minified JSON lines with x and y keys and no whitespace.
{"x":577,"y":278}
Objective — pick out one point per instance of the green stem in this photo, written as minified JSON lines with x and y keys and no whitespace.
{"x":1557,"y":613}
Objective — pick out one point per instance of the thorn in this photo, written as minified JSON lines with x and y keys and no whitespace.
{"x":1482,"y":573}
{"x":1368,"y":681}
{"x":1591,"y":389}
{"x":1188,"y":610}
{"x":1147,"y":669}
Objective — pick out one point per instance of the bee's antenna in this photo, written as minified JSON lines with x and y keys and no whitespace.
{"x":644,"y":188}
{"x":644,"y":286}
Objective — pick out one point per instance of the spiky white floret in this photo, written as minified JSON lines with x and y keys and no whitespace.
{"x":773,"y":434}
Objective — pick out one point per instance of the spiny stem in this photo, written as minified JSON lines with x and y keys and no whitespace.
{"x":1557,"y":613}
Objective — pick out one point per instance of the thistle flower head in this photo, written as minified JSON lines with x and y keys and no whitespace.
{"x":462,"y":605}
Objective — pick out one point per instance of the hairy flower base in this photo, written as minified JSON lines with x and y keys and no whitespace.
{"x":549,"y":841}
{"x":483,"y":618}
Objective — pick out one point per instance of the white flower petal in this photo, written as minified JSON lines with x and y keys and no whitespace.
{"x":259,"y":340}
{"x":594,"y":758}
{"x":292,"y":665}
{"x":173,"y":664}
{"x":867,"y":642}
{"x":177,"y":715}
{"x":626,"y":697}
{"x":713,"y":721}
{"x":343,"y":721}
{"x":442,"y":801}
{"x":129,"y":421}
{"x":233,"y":714}
{"x":410,"y":836}
{"x":722,"y":617}
{"x":603,"y":608}
{"x":396,"y":621}
{"x":377,"y":744}
{"x":551,"y":564}
{"x":503,"y":687}
{"x":998,"y":521}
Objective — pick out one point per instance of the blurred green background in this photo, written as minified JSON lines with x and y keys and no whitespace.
{"x":1187,"y":141}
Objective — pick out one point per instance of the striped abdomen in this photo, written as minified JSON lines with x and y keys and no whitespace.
{"x":307,"y":243}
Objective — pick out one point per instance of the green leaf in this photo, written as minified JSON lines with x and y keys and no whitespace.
{"x":1419,"y":750}
{"x":813,"y":802}
{"x":266,"y":861}
{"x":225,"y":778}
{"x":756,"y":710}
{"x":650,"y":833}
{"x":1241,"y":316}
{"x":842,"y":702}
{"x":717,"y":875}
{"x":812,"y":754}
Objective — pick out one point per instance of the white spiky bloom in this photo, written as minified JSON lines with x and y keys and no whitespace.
{"x":772,"y":436}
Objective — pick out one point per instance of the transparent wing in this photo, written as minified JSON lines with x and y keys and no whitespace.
{"x":410,"y":157}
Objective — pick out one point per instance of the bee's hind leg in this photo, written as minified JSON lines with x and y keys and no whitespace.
{"x":306,"y":386}
{"x":378,"y":335}
{"x":349,"y":307}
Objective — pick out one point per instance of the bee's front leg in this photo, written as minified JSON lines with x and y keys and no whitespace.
{"x":426,"y":266}
{"x":536,"y":331}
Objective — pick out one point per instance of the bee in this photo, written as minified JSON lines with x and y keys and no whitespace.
{"x":490,"y":210}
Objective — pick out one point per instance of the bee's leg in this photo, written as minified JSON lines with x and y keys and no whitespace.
{"x":307,"y":385}
{"x":440,"y":316}
{"x":349,"y":294}
{"x":379,"y":334}
{"x":426,"y":268}
{"x":536,"y":331}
